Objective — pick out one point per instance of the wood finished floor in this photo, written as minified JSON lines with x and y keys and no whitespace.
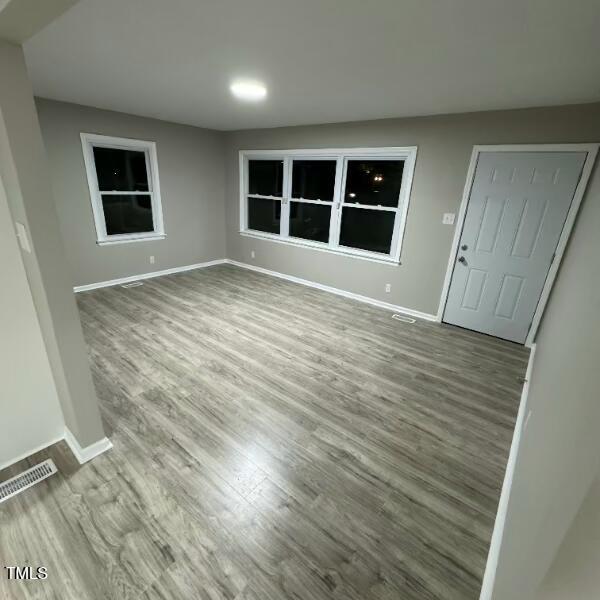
{"x":271,"y":442}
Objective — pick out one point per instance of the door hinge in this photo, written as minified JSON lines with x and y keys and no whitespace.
{"x":553,"y":257}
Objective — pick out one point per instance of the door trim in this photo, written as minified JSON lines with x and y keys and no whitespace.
{"x":592,"y":151}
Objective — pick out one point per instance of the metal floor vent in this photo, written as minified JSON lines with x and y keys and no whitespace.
{"x":25,"y":480}
{"x":403,"y":318}
{"x":134,"y":284}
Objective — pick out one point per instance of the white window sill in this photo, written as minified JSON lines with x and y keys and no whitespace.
{"x":129,"y":239}
{"x":348,"y":252}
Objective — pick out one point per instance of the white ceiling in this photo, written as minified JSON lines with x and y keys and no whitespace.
{"x":322,"y":60}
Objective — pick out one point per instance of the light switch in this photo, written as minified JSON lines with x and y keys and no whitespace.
{"x":23,"y":238}
{"x":448,"y":219}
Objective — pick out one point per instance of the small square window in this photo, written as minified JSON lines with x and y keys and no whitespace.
{"x":366,"y":229}
{"x":123,"y":181}
{"x":126,"y":214}
{"x":123,"y":170}
{"x":313,"y":179}
{"x":374,"y":182}
{"x":310,"y":221}
{"x":264,"y":214}
{"x":265,"y":178}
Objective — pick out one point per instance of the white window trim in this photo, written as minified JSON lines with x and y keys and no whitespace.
{"x":341,"y":155}
{"x":88,"y":141}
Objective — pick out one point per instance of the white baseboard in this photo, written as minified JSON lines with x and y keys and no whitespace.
{"x":81,"y":454}
{"x":129,"y":279}
{"x":326,"y":288}
{"x":39,"y":448}
{"x":89,"y":452}
{"x":491,"y":566}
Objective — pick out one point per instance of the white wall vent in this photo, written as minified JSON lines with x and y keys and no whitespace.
{"x":25,"y":480}
{"x":134,"y":284}
{"x":403,"y":318}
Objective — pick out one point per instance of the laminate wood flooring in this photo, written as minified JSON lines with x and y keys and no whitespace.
{"x":271,"y":442}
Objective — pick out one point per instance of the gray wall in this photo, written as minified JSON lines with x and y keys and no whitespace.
{"x":559,"y":452}
{"x":23,"y":170}
{"x":27,"y":384}
{"x":191,"y":170}
{"x":444,"y":149}
{"x":574,"y":574}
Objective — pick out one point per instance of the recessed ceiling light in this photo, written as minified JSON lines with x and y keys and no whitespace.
{"x":248,"y":90}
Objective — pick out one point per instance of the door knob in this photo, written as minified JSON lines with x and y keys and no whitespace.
{"x":462,"y":260}
{"x":464,"y":247}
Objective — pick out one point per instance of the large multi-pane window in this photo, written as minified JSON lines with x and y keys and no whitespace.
{"x":123,"y":181}
{"x":350,"y":201}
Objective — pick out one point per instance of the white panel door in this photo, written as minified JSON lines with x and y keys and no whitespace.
{"x":517,"y":208}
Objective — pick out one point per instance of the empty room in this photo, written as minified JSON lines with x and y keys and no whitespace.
{"x":300,"y":300}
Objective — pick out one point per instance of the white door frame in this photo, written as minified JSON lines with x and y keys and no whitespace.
{"x":592,"y":151}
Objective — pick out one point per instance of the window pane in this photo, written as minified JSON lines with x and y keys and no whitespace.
{"x":264,"y":214}
{"x":367,"y":229}
{"x":375,"y":182}
{"x":313,"y":179}
{"x":122,"y":170}
{"x":127,"y":214}
{"x":310,"y":221}
{"x":265,"y":177}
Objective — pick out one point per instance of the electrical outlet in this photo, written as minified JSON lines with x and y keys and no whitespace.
{"x":252,"y":254}
{"x":152,"y":260}
{"x":388,"y":288}
{"x":448,"y":219}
